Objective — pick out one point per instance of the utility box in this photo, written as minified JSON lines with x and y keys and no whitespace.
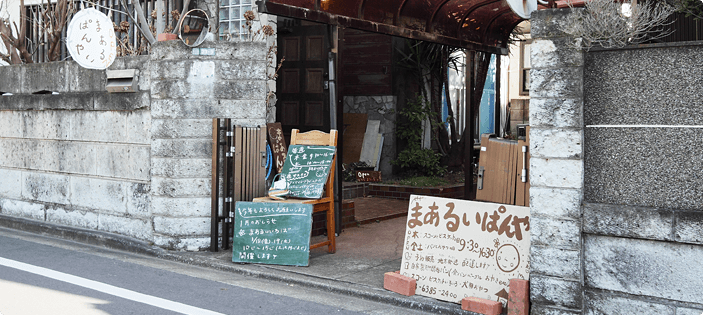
{"x":121,"y":81}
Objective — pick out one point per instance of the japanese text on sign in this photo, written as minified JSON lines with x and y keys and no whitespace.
{"x":272,"y":233}
{"x":456,"y":248}
{"x":91,"y":39}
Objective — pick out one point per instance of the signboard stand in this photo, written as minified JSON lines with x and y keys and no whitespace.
{"x":272,"y":233}
{"x":457,"y":248}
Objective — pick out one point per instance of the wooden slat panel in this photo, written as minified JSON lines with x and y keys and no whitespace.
{"x":238,"y":171}
{"x":367,"y":79}
{"x":262,"y":175}
{"x":367,"y":90}
{"x":249,"y":167}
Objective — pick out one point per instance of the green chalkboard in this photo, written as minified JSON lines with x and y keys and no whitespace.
{"x":272,"y":233}
{"x":306,"y":170}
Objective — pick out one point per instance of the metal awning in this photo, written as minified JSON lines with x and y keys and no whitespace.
{"x":482,"y":25}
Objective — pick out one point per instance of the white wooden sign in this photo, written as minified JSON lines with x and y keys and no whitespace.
{"x":91,"y":39}
{"x":457,"y":248}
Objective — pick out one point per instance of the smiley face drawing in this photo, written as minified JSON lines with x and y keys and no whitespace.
{"x":507,"y":258}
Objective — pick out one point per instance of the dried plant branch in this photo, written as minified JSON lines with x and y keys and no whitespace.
{"x":12,"y":57}
{"x":610,"y":24}
{"x":54,"y":19}
{"x":692,"y":8}
{"x":19,"y":42}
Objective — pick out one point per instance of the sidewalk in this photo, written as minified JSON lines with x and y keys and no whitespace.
{"x":364,"y":254}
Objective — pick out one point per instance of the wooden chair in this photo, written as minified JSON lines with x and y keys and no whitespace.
{"x":326,"y":203}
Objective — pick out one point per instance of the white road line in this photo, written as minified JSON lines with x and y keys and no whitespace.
{"x":647,"y":126}
{"x":106,"y":288}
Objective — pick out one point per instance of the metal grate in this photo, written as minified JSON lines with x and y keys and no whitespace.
{"x":37,"y":39}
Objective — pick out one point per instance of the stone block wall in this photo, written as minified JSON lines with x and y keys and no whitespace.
{"x":187,"y":92}
{"x":556,"y":168}
{"x":136,"y":164}
{"x":616,"y":141}
{"x":381,"y":108}
{"x":75,"y":156}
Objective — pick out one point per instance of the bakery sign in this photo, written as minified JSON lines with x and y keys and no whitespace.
{"x":457,"y":248}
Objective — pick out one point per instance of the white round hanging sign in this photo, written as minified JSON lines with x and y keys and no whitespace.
{"x":91,"y":39}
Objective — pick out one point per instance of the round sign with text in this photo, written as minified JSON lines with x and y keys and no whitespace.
{"x":91,"y":39}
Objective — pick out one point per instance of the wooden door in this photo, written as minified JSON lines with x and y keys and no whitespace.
{"x":303,"y":97}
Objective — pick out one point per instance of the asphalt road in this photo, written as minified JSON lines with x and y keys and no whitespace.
{"x":41,"y":275}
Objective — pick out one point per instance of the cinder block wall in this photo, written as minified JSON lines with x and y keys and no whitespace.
{"x":79,"y":157}
{"x":628,"y":237}
{"x":136,"y":164}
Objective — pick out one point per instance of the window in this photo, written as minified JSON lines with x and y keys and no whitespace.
{"x":525,"y":66}
{"x":232,"y":17}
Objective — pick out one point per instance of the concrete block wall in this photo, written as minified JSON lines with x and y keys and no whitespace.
{"x":615,"y":173}
{"x":187,"y":92}
{"x":75,"y":156}
{"x":643,"y":195}
{"x":136,"y":164}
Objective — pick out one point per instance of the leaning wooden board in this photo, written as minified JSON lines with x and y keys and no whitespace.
{"x":306,"y":170}
{"x":272,"y":233}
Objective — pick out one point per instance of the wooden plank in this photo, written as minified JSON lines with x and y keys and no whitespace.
{"x":513,"y":170}
{"x":527,"y":164}
{"x":367,"y":68}
{"x":482,"y":194}
{"x":519,"y":185}
{"x":368,"y":155}
{"x":238,"y":171}
{"x":353,"y":133}
{"x":367,"y":90}
{"x":251,"y":143}
{"x":262,"y":152}
{"x":368,"y":79}
{"x":214,"y":192}
{"x":287,"y":236}
{"x":279,"y":149}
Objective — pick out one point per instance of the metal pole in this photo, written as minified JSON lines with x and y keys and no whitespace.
{"x":228,"y":195}
{"x":338,"y":33}
{"x":498,"y":130}
{"x":469,"y":130}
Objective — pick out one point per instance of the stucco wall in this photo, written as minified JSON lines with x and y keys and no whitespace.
{"x":622,"y":234}
{"x":136,"y":164}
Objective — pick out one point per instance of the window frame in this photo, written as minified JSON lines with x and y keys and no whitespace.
{"x":524,"y":71}
{"x":243,"y":7}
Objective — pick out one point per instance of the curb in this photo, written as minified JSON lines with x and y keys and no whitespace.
{"x":125,"y":243}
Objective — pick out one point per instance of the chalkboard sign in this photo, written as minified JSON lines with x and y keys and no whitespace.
{"x":306,"y":170}
{"x":272,"y":233}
